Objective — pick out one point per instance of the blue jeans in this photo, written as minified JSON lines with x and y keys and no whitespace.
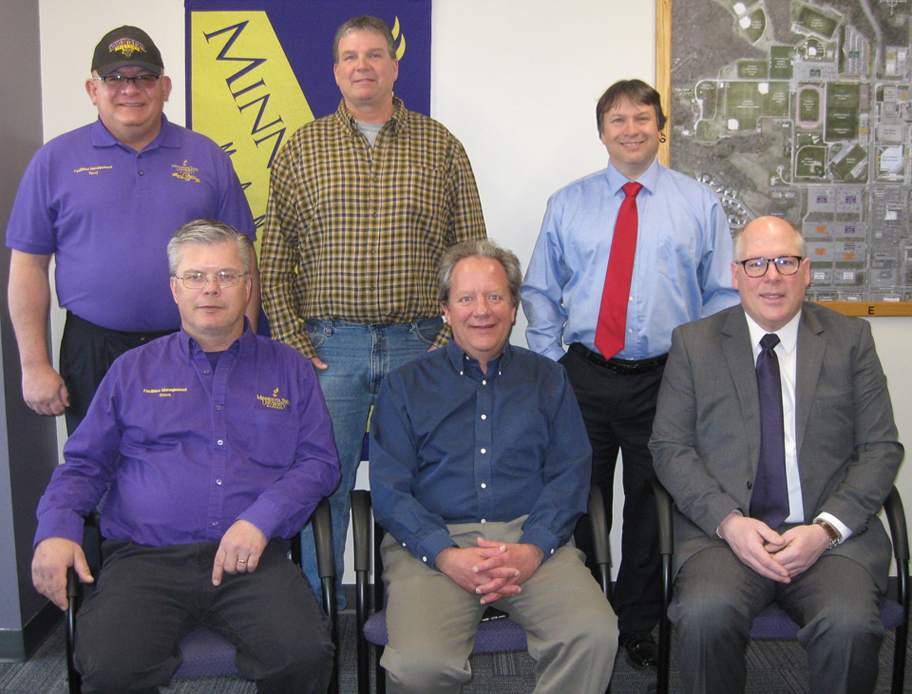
{"x":359,"y":356}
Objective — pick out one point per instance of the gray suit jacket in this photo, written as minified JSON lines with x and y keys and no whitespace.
{"x":706,"y":437}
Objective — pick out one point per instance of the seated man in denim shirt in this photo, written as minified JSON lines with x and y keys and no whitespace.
{"x":480,"y":469}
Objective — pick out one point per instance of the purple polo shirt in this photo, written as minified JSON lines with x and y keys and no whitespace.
{"x":107,"y":212}
{"x":188,"y":449}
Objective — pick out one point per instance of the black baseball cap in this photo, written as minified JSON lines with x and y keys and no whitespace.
{"x":126,"y":46}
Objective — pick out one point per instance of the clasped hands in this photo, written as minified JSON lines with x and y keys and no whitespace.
{"x":775,"y":556}
{"x":492,"y":570}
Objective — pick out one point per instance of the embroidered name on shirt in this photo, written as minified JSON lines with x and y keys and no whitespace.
{"x":91,"y":170}
{"x":273,"y":402}
{"x":163,"y":392}
{"x":185,"y":172}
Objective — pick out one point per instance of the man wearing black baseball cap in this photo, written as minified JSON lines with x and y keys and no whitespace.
{"x":105,"y":199}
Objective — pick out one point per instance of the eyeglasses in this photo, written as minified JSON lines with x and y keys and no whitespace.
{"x":118,"y":81}
{"x":785,"y":264}
{"x":198,"y":280}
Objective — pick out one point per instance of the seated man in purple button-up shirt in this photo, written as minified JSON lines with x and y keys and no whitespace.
{"x":213,"y":444}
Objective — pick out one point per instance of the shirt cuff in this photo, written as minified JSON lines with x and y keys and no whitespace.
{"x":66,"y":524}
{"x":432,"y":545}
{"x":836,"y":523}
{"x":544,"y":539}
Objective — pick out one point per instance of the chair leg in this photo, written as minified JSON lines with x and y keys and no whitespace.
{"x":380,"y":673}
{"x":74,"y":679}
{"x":664,"y":664}
{"x":899,"y":660}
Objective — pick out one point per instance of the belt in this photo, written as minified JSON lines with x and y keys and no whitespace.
{"x":624,"y":367}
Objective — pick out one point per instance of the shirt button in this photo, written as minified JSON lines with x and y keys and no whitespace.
{"x":484,"y":383}
{"x":218,"y":408}
{"x":219,"y":482}
{"x":484,"y":416}
{"x":484,"y":486}
{"x":552,"y":551}
{"x":403,"y":544}
{"x":214,"y":523}
{"x":630,"y":331}
{"x":220,"y":442}
{"x":629,"y":298}
{"x":483,"y":521}
{"x":424,"y":559}
{"x":142,"y":173}
{"x":206,"y":371}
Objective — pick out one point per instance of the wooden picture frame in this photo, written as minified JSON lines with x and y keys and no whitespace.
{"x":663,"y":85}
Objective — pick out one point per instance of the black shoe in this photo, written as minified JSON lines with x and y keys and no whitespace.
{"x":642,"y":650}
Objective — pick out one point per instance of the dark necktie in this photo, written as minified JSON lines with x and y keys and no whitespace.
{"x":769,"y":500}
{"x":612,"y":320}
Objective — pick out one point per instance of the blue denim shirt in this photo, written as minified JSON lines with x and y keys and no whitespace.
{"x":450,"y":444}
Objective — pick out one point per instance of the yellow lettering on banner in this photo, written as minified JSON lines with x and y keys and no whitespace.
{"x":244,"y":94}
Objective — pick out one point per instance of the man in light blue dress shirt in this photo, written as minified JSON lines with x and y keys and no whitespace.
{"x":680,"y":273}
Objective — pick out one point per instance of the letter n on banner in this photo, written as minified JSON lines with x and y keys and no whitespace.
{"x":257,"y":70}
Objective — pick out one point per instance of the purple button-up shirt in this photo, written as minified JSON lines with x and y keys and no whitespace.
{"x":187,"y":449}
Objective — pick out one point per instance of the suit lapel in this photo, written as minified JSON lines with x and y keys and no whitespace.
{"x":811,"y":348}
{"x":739,"y":358}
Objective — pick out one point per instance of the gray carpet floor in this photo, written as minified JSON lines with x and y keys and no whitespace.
{"x":775,"y":667}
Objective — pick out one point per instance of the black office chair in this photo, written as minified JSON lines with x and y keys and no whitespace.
{"x":773,"y":622}
{"x":496,"y":632}
{"x":208,"y":654}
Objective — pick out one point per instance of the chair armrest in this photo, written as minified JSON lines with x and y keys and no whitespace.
{"x":598,"y":522}
{"x":323,"y":539}
{"x":896,"y":519}
{"x":664,"y":506}
{"x":361,"y":528}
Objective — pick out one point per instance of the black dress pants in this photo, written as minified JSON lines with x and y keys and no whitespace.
{"x":618,"y":410}
{"x":149,"y":598}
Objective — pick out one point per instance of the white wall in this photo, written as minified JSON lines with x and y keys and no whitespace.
{"x":515,"y":80}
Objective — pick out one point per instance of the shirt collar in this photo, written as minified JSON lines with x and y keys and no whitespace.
{"x":649,"y":178}
{"x":397,"y":121}
{"x":242,"y":345}
{"x":788,"y":334}
{"x":458,"y":358}
{"x":167,"y":136}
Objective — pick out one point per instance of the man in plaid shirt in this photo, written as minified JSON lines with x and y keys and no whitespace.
{"x":362,"y":205}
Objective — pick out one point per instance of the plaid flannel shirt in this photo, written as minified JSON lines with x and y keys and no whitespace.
{"x":354,"y":233}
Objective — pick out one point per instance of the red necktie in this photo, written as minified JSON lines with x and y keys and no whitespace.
{"x":612,"y":320}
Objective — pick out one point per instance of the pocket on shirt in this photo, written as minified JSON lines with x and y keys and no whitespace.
{"x":675,"y":257}
{"x":424,"y":192}
{"x":277,"y":436}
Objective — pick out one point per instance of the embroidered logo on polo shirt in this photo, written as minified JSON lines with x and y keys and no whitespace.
{"x":185,"y":172}
{"x":91,"y":170}
{"x":126,"y":46}
{"x":163,"y":392}
{"x":273,"y":402}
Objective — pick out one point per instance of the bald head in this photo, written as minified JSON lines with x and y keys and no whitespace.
{"x":772,"y":298}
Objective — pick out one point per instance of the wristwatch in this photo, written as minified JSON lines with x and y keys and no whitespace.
{"x":834,"y":534}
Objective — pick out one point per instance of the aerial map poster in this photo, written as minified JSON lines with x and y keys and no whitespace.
{"x":803,"y":109}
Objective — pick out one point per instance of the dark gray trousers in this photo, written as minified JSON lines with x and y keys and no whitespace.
{"x":834,"y":602}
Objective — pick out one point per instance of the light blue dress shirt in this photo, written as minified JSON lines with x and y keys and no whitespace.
{"x":681,"y":271}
